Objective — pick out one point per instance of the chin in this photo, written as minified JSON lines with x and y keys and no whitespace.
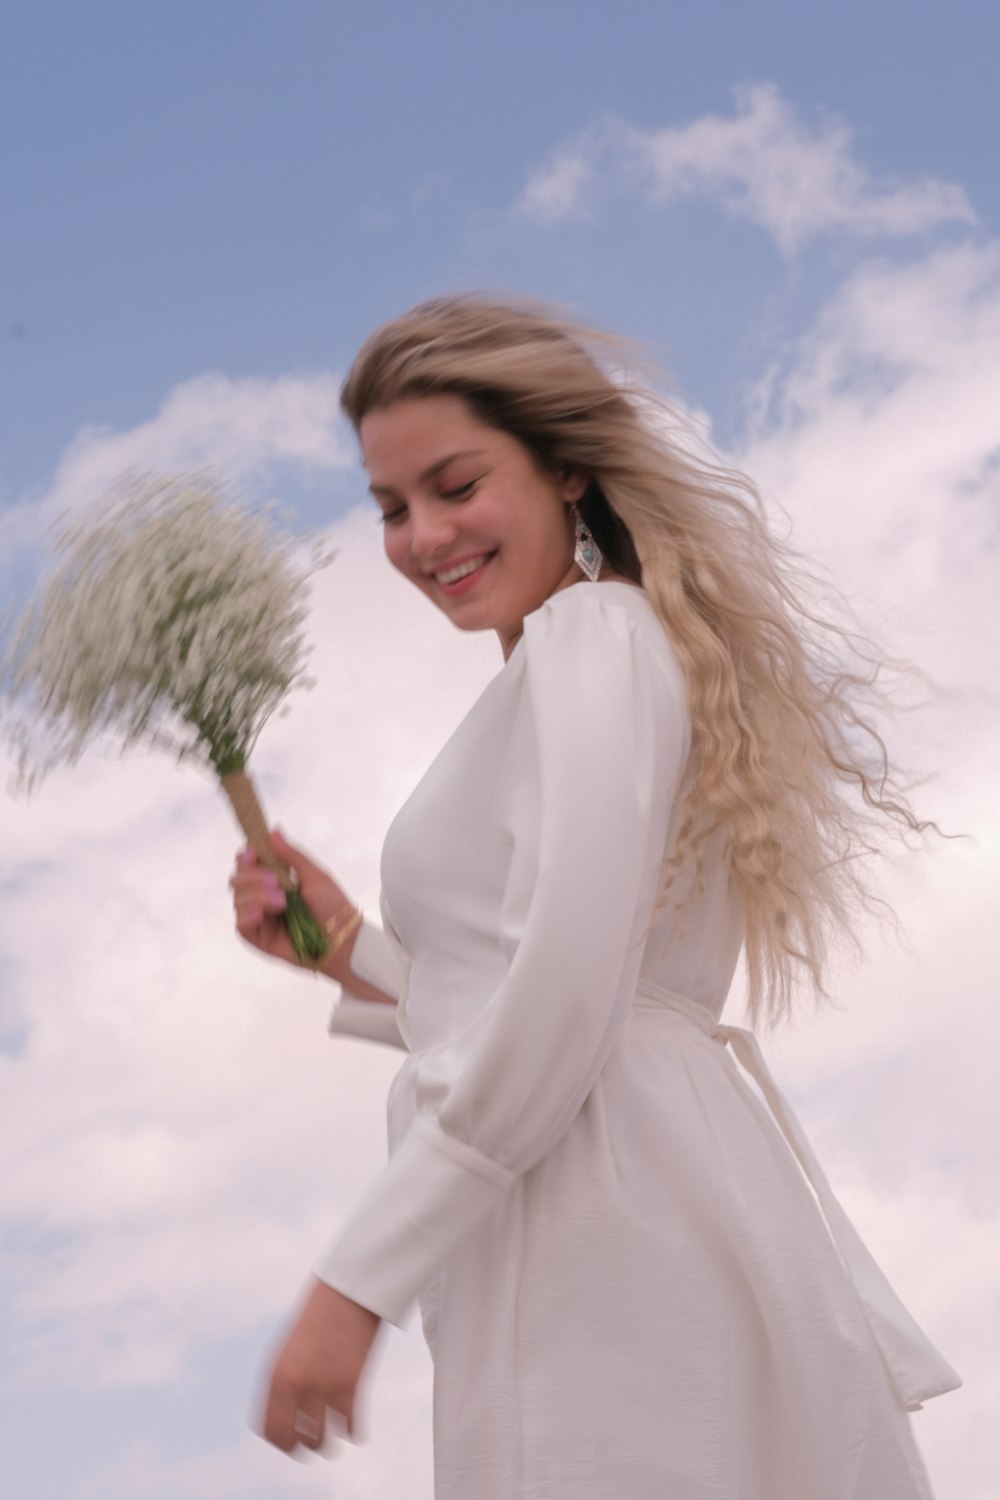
{"x":469,"y":621}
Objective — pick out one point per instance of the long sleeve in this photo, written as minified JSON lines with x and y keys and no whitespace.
{"x":603,"y":734}
{"x":379,"y":959}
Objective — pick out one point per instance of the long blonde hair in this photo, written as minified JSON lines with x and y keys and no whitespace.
{"x":787,"y":763}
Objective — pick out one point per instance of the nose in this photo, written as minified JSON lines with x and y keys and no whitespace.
{"x":432,"y":529}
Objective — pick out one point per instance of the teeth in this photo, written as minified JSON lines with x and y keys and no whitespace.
{"x":452,"y":575}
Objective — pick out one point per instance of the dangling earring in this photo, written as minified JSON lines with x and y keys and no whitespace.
{"x":586,"y":554}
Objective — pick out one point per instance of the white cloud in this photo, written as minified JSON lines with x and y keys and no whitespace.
{"x":560,"y":189}
{"x":391,"y":1457}
{"x":761,"y":163}
{"x":244,"y":427}
{"x":246,"y":1470}
{"x":878,"y":433}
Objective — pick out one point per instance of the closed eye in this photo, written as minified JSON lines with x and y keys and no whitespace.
{"x":461,"y":492}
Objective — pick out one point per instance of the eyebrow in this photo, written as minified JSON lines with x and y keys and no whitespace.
{"x":433,"y":471}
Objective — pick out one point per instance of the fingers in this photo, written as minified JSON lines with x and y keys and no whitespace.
{"x":305,"y":868}
{"x":250,"y":922}
{"x":297,"y":1419}
{"x":310,"y":1430}
{"x":278,"y":1426}
{"x":257,"y":896}
{"x":254,"y":878}
{"x":299,"y":861}
{"x":290,"y":1423}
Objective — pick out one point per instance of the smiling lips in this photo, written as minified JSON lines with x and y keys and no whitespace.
{"x":458,"y":572}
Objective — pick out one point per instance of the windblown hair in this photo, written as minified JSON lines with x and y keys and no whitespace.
{"x":787,"y":763}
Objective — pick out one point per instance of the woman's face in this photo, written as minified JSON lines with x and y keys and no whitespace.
{"x":469,"y":516}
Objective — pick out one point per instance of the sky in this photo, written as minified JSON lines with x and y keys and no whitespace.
{"x":203,"y":210}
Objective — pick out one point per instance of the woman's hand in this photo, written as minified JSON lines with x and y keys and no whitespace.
{"x":318,"y":1368}
{"x":260,"y":901}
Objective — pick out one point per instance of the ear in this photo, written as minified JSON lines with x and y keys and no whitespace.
{"x":574,"y":485}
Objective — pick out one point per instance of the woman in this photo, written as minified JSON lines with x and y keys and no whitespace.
{"x":629,"y":1289}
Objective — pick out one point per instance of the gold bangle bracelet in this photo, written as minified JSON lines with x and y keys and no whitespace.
{"x":340,"y":927}
{"x":340,"y":919}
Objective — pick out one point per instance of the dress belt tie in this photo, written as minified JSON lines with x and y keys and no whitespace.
{"x":916,"y":1369}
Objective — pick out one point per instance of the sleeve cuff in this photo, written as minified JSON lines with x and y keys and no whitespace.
{"x":433,"y":1191}
{"x":379,"y":960}
{"x":370,"y":1019}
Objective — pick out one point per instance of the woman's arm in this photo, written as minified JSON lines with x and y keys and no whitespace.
{"x":600,"y":743}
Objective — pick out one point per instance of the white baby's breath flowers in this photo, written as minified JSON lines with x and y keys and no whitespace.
{"x":172,"y":616}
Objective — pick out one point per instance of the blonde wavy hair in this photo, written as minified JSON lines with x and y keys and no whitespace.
{"x":787,"y":762}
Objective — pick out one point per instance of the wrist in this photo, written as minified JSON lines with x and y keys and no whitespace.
{"x":341,"y":929}
{"x":335,"y":1305}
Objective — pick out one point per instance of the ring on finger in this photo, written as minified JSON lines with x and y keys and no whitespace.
{"x":306,"y":1427}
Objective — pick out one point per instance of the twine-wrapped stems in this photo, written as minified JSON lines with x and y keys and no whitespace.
{"x":245,"y":803}
{"x":309,"y":937}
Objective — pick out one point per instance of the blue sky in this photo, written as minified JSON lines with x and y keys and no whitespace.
{"x":203,"y":209}
{"x":247,"y":187}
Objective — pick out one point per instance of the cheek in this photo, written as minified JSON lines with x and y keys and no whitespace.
{"x":395,"y":548}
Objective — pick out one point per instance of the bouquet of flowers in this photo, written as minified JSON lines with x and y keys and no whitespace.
{"x":172,"y":616}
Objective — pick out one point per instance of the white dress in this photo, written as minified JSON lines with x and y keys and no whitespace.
{"x":628,"y":1284}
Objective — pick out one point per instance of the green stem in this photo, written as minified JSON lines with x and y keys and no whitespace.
{"x":309,"y":936}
